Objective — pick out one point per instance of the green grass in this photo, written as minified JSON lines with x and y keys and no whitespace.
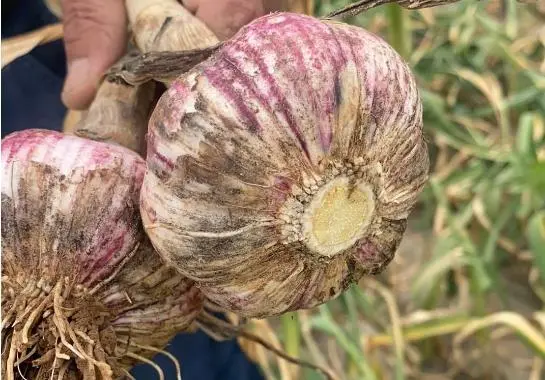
{"x":465,"y":294}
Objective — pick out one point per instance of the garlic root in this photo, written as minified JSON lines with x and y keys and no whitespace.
{"x":56,"y":326}
{"x":156,"y":350}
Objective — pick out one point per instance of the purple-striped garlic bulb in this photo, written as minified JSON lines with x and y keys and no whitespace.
{"x":84,"y":295}
{"x":284,"y":167}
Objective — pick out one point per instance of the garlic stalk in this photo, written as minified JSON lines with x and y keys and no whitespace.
{"x":165,"y":25}
{"x":118,"y":115}
{"x":356,"y":7}
{"x":120,"y":110}
{"x":284,"y":167}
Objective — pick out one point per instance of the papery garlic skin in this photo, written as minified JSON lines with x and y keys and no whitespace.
{"x":77,"y":201}
{"x":74,"y":255}
{"x":256,"y":154}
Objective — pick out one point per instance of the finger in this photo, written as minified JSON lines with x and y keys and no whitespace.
{"x":226,"y":17}
{"x":191,"y":5}
{"x":95,"y":35}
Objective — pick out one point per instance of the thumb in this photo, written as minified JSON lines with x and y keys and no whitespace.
{"x":95,"y":35}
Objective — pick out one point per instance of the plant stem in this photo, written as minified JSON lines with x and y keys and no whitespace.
{"x":399,"y":31}
{"x":290,"y":328}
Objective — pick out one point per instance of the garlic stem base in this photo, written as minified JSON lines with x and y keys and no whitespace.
{"x":337,"y":216}
{"x":330,"y":213}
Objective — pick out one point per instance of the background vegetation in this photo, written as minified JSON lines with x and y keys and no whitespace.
{"x":464,"y":297}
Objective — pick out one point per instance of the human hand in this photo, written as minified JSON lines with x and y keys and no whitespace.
{"x":95,"y":37}
{"x":225,"y":17}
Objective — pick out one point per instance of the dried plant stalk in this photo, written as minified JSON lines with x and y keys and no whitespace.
{"x":71,"y":118}
{"x":302,"y":6}
{"x":159,"y":66}
{"x":119,"y":114}
{"x":120,"y":110}
{"x":295,"y":6}
{"x":166,"y":25}
{"x":220,"y":330}
{"x":360,"y":6}
{"x":15,"y":47}
{"x":54,"y":7}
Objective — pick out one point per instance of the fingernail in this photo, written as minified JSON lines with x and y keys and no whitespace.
{"x":78,"y":87}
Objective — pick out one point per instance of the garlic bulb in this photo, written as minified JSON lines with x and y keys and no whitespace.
{"x":84,"y":295}
{"x":284,"y":167}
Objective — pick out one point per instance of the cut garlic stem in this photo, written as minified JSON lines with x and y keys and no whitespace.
{"x":337,"y":216}
{"x":165,"y":25}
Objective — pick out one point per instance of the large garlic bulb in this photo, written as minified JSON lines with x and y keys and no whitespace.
{"x":84,"y":295}
{"x":284,"y":167}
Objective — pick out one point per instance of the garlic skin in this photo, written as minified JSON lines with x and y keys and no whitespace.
{"x":83,"y":291}
{"x":284,"y":167}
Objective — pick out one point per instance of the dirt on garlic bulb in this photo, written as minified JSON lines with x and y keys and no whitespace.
{"x":84,"y":294}
{"x":284,"y":167}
